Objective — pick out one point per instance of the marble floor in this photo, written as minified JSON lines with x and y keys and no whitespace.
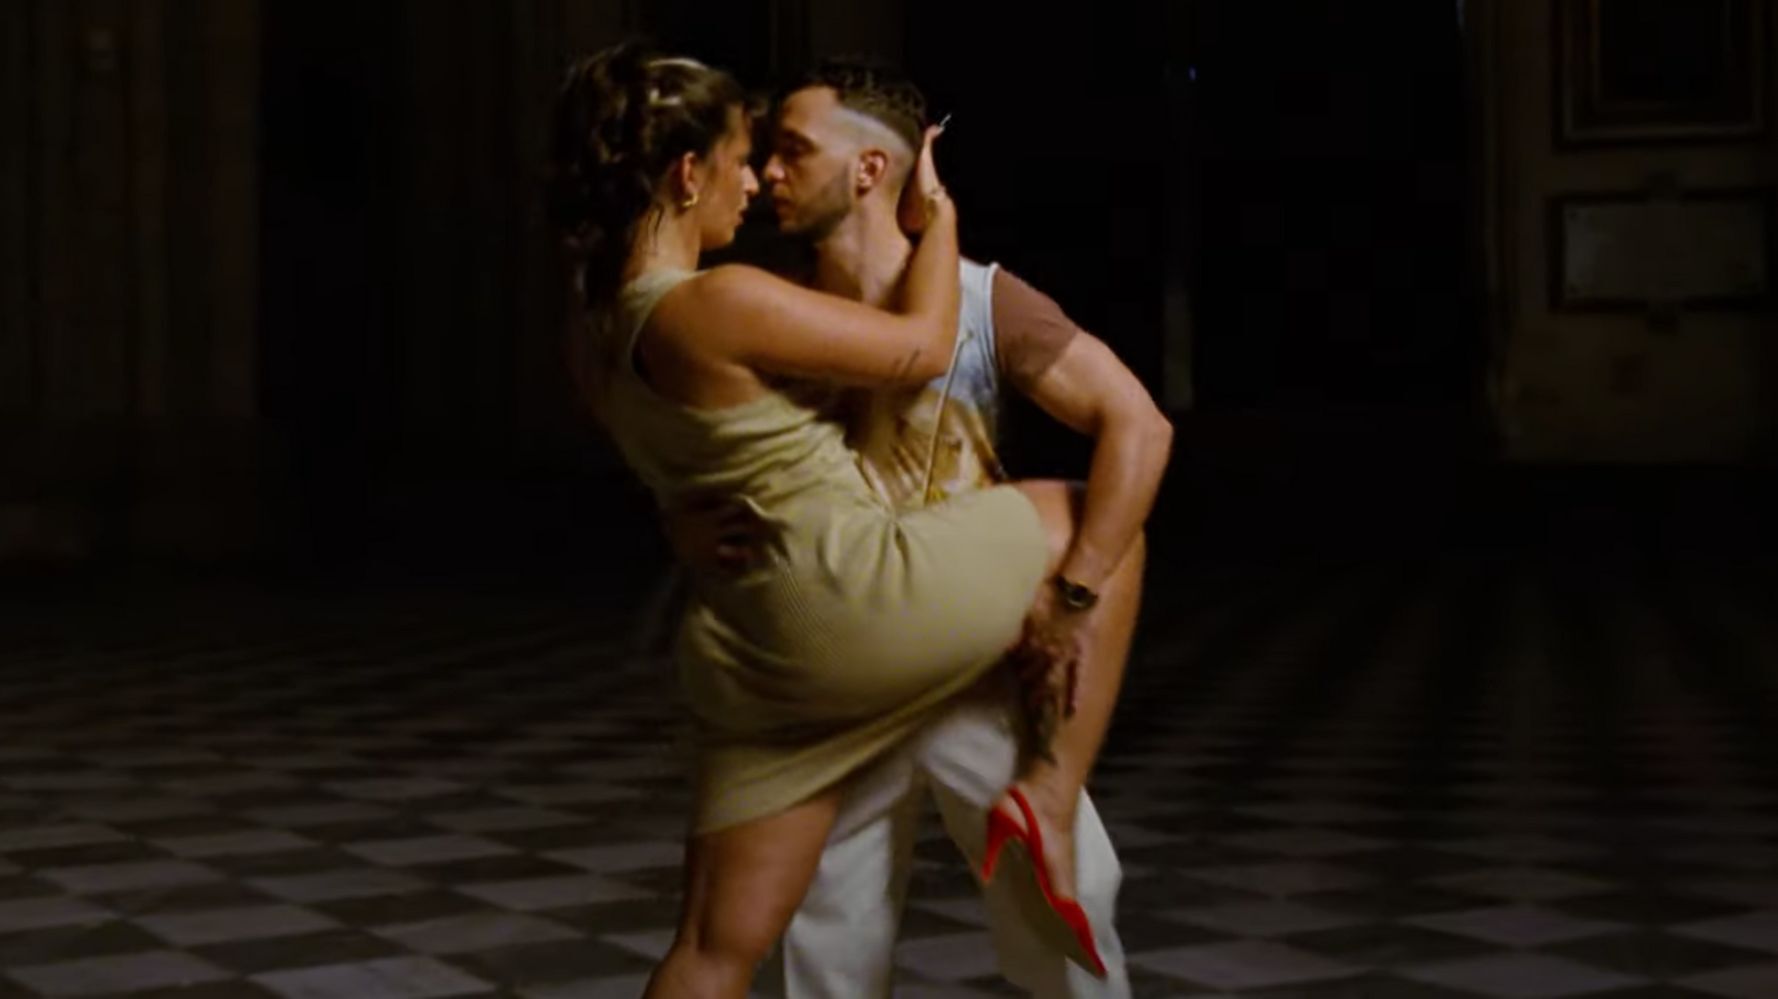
{"x":1459,"y":774}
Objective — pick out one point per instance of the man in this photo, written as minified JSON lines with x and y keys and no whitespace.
{"x":844,"y":143}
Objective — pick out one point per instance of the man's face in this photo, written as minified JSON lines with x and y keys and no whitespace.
{"x":814,"y":158}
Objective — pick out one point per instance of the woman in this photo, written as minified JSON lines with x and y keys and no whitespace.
{"x":862,"y":622}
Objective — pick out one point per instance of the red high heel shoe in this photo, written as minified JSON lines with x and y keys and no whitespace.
{"x":1075,"y":937}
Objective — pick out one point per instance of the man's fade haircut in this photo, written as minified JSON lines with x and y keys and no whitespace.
{"x":875,"y":89}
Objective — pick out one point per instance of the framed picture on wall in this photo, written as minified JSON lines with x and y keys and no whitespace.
{"x":1632,"y":251}
{"x":1661,"y":70}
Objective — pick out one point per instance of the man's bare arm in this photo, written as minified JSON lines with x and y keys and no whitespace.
{"x":1075,"y":377}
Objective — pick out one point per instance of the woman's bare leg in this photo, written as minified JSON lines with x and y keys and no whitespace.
{"x":1053,"y":786}
{"x":742,"y":885}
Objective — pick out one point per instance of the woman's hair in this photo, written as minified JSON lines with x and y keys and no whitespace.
{"x":623,"y":117}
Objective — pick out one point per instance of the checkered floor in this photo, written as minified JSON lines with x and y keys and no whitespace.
{"x":1465,"y":776}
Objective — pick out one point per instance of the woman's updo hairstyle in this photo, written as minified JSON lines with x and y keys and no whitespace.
{"x":623,"y":117}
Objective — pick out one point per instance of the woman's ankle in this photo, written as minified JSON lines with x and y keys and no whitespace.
{"x":1056,"y":782}
{"x":1051,"y":796}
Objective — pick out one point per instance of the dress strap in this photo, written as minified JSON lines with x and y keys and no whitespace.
{"x":639,"y":298}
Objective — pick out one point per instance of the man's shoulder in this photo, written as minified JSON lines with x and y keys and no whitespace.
{"x":1031,"y":330}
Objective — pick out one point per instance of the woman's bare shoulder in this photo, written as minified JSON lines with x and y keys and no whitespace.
{"x":737,"y":284}
{"x":731,"y":302}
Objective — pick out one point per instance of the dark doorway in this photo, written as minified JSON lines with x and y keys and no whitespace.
{"x":1330,"y":143}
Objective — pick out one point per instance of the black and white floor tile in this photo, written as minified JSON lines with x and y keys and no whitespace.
{"x":1468,"y":776}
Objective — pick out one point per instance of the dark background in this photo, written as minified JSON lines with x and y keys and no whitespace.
{"x":1327,"y":266}
{"x":1458,"y":658}
{"x":1305,"y":177}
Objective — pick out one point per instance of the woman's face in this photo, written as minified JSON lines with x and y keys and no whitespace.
{"x":728,"y":184}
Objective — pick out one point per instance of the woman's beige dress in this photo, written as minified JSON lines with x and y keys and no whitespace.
{"x":861,"y":622}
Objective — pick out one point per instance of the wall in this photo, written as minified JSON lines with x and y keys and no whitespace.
{"x":127,"y":271}
{"x":1603,"y":388}
{"x":412,"y":310}
{"x":268,"y":270}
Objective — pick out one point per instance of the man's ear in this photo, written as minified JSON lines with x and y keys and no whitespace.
{"x":873,"y":170}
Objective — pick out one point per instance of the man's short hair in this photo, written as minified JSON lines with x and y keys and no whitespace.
{"x":875,"y":89}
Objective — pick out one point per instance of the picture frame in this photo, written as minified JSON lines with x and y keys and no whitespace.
{"x":1661,"y":71}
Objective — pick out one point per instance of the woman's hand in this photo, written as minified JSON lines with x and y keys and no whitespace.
{"x":924,"y":196}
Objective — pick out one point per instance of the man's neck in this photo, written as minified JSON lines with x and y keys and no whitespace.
{"x":864,"y":258}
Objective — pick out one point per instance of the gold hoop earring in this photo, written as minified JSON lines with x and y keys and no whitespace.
{"x":689,"y":203}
